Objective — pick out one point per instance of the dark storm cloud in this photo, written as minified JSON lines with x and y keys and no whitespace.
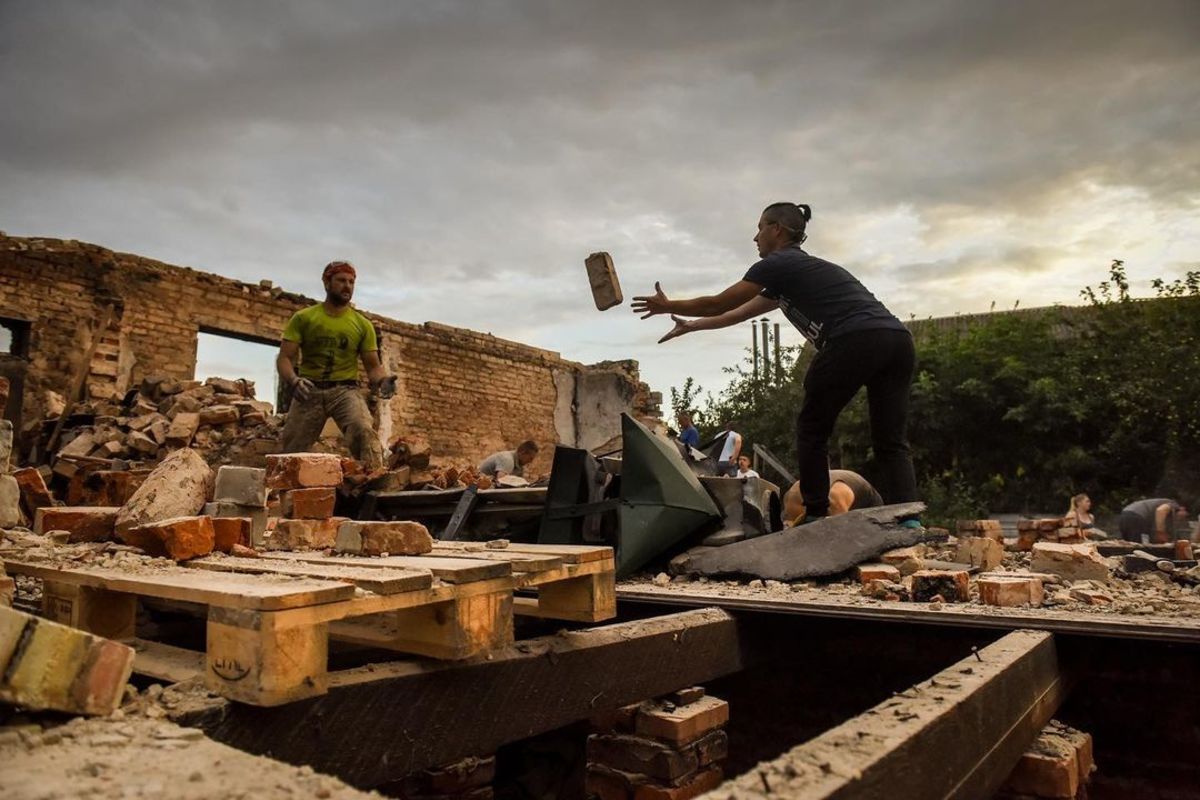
{"x":493,"y":144}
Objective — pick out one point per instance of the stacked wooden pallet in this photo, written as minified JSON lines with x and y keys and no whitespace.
{"x":270,"y":619}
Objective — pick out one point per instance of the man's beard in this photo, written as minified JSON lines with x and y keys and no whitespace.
{"x":336,"y":299}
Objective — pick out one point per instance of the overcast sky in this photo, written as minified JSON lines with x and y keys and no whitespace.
{"x":467,"y":156}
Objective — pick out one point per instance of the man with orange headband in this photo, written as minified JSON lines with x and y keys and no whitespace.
{"x":329,"y":338}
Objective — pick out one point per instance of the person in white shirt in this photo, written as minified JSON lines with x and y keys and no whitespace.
{"x":730,"y":450}
{"x":744,"y":470}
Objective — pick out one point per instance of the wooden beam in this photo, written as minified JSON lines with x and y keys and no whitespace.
{"x":957,"y":735}
{"x":384,"y":721}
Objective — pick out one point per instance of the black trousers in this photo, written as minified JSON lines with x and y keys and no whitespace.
{"x":882,"y":360}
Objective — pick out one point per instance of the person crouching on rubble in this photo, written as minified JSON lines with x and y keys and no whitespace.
{"x":329,"y":338}
{"x":847,"y":490}
{"x":859,"y":343}
{"x":509,"y":462}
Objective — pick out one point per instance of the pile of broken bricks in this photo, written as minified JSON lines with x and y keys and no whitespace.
{"x":672,"y":748}
{"x":218,"y":417}
{"x":1066,"y":569}
{"x":183,"y":510}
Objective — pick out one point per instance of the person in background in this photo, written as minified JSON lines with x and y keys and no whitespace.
{"x":743,"y":468}
{"x":687,"y":430}
{"x":1079,"y":514}
{"x":847,"y":490}
{"x":1152,"y":520}
{"x":730,"y":450}
{"x":509,"y":462}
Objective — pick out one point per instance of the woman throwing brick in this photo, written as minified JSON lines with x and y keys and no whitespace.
{"x":859,"y":343}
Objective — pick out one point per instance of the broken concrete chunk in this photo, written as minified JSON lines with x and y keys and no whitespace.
{"x":83,"y":523}
{"x":602,"y":275}
{"x":1010,"y":592}
{"x":376,"y":538}
{"x":1073,"y":562}
{"x":952,"y":585}
{"x":906,"y":559}
{"x":48,"y":666}
{"x":179,"y":538}
{"x":303,"y":534}
{"x":183,"y":429}
{"x":303,"y":470}
{"x":10,"y":502}
{"x":245,"y":486}
{"x":177,"y":487}
{"x":219,"y":415}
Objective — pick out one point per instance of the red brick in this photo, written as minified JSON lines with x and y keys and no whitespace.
{"x":1183,"y":550}
{"x":303,"y":534}
{"x":46,"y":665}
{"x":105,"y":487}
{"x":228,"y":531}
{"x":316,"y":503}
{"x":683,"y":724}
{"x":606,"y":786}
{"x":219,"y":415}
{"x":878,"y":572}
{"x":953,"y":585}
{"x":1049,"y":771}
{"x":303,"y":470}
{"x":638,"y":754}
{"x":1010,"y":592}
{"x":697,"y":785}
{"x":84,"y":523}
{"x":179,"y":538}
{"x":34,"y":494}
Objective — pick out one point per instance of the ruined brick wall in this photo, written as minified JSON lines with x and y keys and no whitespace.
{"x":469,"y":393}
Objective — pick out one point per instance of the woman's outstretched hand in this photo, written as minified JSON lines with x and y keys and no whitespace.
{"x":650,"y":305}
{"x":681,"y":327}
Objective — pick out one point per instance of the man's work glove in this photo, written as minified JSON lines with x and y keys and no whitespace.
{"x":387,"y":387}
{"x":302,"y":388}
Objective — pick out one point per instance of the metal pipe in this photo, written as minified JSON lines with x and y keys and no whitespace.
{"x":778,"y":358}
{"x":766,"y":349}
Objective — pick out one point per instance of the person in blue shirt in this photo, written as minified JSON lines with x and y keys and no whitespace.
{"x":687,"y":431}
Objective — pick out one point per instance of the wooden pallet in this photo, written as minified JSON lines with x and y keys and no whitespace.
{"x":270,"y":619}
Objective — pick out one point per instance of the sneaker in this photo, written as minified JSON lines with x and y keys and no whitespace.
{"x":811,"y":518}
{"x":912,"y":524}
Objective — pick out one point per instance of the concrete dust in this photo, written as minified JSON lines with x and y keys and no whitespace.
{"x":126,"y":756}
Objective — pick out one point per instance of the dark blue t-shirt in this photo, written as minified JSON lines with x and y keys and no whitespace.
{"x":821,"y":299}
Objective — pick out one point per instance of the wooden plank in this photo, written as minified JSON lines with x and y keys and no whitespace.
{"x":381,"y":580}
{"x":164,"y":662}
{"x":179,"y":583}
{"x":536,"y":686}
{"x":585,"y":598}
{"x":570,"y":553}
{"x":973,"y":720}
{"x":521,"y":562}
{"x":451,"y":570}
{"x":455,"y":629}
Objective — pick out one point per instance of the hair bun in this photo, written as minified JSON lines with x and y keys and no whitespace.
{"x":805,"y":210}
